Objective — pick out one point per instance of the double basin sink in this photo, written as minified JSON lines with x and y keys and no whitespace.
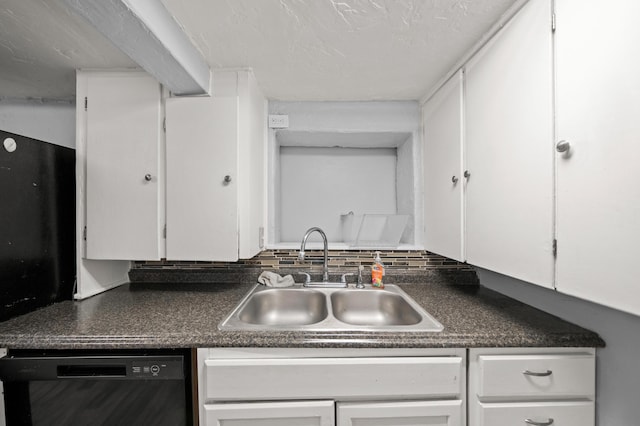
{"x":298,"y":308}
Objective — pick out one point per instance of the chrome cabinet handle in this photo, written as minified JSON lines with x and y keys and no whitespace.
{"x":534,"y":423}
{"x":454,"y":179}
{"x":148,"y":177}
{"x":227,"y":180}
{"x":537,"y":374}
{"x":467,"y":175}
{"x":563,"y":146}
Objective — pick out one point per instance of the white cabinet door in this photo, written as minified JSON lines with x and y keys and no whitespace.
{"x":123,"y":191}
{"x":306,"y":413}
{"x":410,"y":413}
{"x":509,"y":149}
{"x":598,"y":110}
{"x":442,"y":166}
{"x":202,"y":178}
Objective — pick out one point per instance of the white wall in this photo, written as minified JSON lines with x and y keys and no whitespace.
{"x":49,"y":121}
{"x":309,"y":177}
{"x":618,"y":371}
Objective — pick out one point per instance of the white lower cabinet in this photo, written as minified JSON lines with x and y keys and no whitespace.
{"x":396,"y":387}
{"x":533,"y":386}
{"x":269,"y":387}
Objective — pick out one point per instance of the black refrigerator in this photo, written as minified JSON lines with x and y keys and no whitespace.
{"x":37,"y":224}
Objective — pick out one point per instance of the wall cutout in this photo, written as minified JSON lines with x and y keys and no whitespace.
{"x":341,"y":157}
{"x":318,"y":185}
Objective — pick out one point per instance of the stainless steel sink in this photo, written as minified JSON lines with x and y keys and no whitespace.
{"x":284,"y":307}
{"x":373,"y":307}
{"x":329,"y":309}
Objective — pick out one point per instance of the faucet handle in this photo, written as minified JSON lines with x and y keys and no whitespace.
{"x":360,"y":282}
{"x":308,"y":277}
{"x":343,"y":278}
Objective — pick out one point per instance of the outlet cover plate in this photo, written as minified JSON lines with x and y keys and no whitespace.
{"x":278,"y":121}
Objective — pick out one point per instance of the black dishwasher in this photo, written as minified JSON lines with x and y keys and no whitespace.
{"x":97,"y":388}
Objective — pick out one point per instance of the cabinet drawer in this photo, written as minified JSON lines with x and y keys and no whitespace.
{"x":344,"y":378}
{"x":543,"y":376}
{"x":543,"y":413}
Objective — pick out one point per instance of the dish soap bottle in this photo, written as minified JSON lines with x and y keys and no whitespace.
{"x":377,"y":272}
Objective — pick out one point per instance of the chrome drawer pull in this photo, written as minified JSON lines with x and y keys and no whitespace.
{"x":534,"y":373}
{"x":531,"y":422}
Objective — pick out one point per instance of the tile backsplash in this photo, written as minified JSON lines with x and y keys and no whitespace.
{"x":286,"y":260}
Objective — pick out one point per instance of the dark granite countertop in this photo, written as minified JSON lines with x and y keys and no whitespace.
{"x":178,"y":315}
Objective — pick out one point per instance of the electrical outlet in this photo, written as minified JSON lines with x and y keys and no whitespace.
{"x":278,"y":121}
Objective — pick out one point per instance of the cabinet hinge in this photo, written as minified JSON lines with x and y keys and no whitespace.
{"x":553,"y":22}
{"x":86,"y":103}
{"x":555,"y":248}
{"x":84,"y":233}
{"x":164,"y":232}
{"x":164,"y":125}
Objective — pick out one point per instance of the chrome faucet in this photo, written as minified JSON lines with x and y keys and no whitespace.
{"x":325,"y":268}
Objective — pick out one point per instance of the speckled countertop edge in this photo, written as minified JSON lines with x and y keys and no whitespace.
{"x":185,"y":315}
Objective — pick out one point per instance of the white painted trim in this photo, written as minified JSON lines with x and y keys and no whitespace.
{"x":148,"y":34}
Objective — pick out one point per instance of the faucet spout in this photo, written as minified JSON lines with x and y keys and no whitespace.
{"x":325,"y":268}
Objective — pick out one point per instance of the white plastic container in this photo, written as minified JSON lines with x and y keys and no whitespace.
{"x":373,"y":230}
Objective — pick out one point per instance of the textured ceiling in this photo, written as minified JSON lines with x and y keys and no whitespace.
{"x":299,"y":49}
{"x":41,"y":45}
{"x":338,"y":49}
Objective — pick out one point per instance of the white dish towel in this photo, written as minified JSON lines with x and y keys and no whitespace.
{"x":271,"y":279}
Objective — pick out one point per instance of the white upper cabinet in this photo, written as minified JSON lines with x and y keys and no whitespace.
{"x":212,"y":194}
{"x":202,"y":166}
{"x":442,"y":170}
{"x":598,"y":111}
{"x":509,"y":149}
{"x":123,"y":180}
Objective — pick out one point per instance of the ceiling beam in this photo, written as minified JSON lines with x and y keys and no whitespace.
{"x":150,"y":36}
